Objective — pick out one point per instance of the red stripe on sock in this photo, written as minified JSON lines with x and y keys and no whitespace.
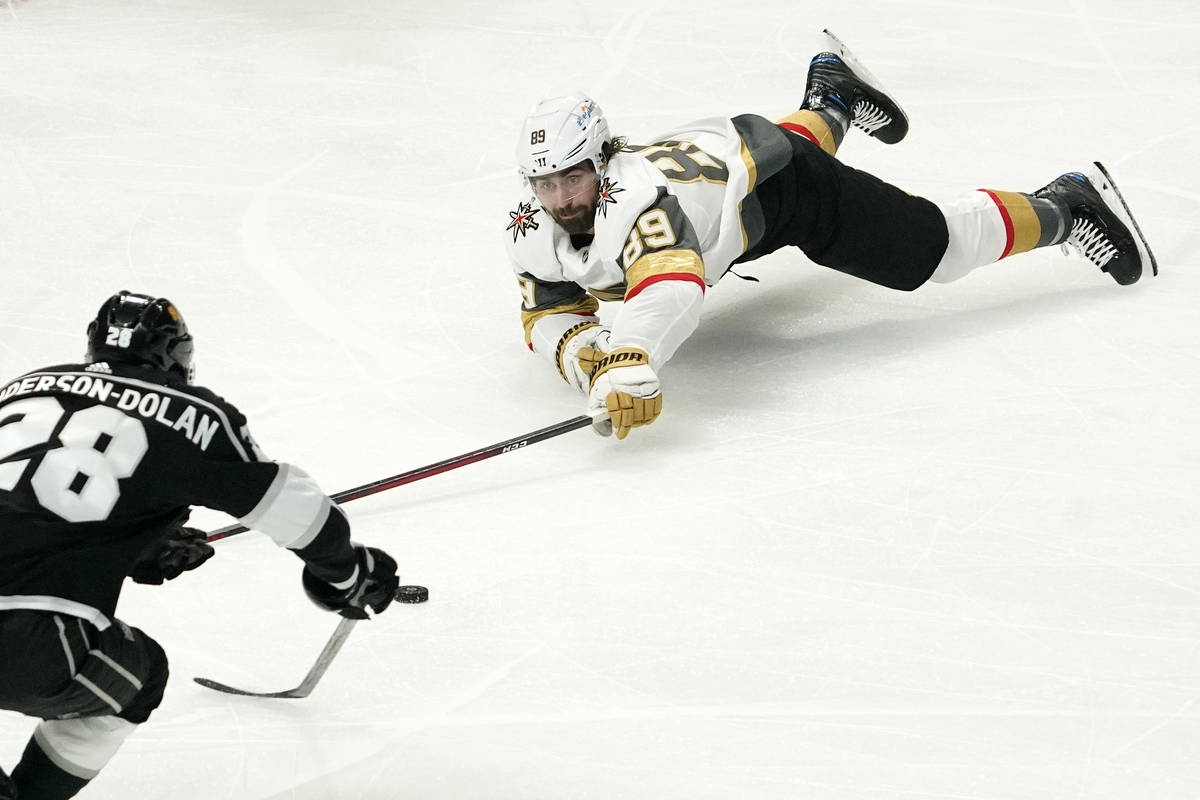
{"x":1008,"y":223}
{"x":800,"y":129}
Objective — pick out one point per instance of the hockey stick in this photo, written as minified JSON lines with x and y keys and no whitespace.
{"x":507,"y":446}
{"x":310,"y":680}
{"x":407,"y":595}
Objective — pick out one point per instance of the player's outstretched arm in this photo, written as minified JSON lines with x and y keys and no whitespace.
{"x":291,"y":508}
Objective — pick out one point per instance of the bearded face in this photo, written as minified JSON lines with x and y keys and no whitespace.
{"x":570,"y":196}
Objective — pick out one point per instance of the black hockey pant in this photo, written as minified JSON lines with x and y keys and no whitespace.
{"x":56,"y":666}
{"x":849,"y":220}
{"x":90,"y":687}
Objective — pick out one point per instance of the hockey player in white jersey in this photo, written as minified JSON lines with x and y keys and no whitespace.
{"x":653,"y":225}
{"x":100,"y":463}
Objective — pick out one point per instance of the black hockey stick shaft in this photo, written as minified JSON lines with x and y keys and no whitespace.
{"x":507,"y":446}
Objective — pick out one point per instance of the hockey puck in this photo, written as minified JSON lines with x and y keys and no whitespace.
{"x":411,"y":594}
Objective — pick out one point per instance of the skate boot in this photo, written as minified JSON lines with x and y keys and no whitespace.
{"x":1102,"y":228}
{"x":836,"y":80}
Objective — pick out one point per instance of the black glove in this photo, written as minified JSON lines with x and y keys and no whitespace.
{"x":374,"y":588}
{"x":183,"y":549}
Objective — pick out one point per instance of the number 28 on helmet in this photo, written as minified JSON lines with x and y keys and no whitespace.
{"x":139,"y":329}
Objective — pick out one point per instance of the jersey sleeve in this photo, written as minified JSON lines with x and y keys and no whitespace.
{"x":553,"y":308}
{"x":549,"y":308}
{"x":664,"y":278}
{"x":659,"y":319}
{"x":297,"y":514}
{"x":552,"y":312}
{"x":276,"y":498}
{"x":662,"y":246}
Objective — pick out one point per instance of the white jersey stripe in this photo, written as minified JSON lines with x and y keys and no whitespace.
{"x":96,"y":690}
{"x":292,"y":511}
{"x":62,"y":637}
{"x":117,"y":668}
{"x":35,"y":602}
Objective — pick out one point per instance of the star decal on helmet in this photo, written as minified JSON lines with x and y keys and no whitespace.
{"x":608,"y":192}
{"x":522,"y":219}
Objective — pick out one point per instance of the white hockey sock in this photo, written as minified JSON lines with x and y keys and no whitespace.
{"x":986,"y":226}
{"x":81,"y":747}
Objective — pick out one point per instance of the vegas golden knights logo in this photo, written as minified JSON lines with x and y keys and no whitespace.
{"x":522,"y":219}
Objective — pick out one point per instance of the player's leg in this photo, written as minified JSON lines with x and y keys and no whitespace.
{"x":841,"y":92}
{"x":853,"y":222}
{"x":1084,"y":211}
{"x":8,"y":790}
{"x":848,"y":220}
{"x":91,"y":688}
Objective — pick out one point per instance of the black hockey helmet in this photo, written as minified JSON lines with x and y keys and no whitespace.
{"x":140,"y":329}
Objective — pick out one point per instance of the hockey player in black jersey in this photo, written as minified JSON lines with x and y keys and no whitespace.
{"x":100,"y":463}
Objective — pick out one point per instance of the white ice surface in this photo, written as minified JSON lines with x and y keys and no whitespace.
{"x":880,"y":545}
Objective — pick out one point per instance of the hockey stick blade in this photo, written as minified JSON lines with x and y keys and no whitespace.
{"x":208,"y":683}
{"x":310,"y":680}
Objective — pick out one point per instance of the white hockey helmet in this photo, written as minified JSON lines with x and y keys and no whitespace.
{"x":559,"y":133}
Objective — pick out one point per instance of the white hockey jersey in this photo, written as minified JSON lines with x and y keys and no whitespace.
{"x":671,"y":219}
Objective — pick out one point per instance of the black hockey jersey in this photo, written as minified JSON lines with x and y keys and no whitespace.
{"x":98,"y":462}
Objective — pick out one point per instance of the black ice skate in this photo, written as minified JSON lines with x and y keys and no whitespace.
{"x":836,"y":79}
{"x":1102,"y":228}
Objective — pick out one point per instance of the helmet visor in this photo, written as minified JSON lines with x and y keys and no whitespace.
{"x":570,"y":196}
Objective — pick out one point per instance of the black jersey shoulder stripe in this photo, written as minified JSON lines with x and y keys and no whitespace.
{"x":56,"y":604}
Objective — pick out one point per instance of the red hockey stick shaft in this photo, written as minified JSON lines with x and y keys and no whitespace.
{"x":507,"y":446}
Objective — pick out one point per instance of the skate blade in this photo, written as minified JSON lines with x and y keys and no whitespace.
{"x":1108,"y":190}
{"x":835,"y":45}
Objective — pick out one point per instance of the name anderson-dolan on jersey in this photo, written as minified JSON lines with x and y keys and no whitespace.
{"x":97,"y":462}
{"x":678,"y":211}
